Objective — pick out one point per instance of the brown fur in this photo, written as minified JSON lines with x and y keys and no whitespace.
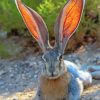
{"x":54,"y":89}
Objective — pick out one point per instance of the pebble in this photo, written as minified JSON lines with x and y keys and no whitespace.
{"x":2,"y":72}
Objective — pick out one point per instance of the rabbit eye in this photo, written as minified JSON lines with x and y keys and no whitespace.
{"x":60,"y":57}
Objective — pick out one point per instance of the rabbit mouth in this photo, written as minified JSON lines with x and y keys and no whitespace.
{"x":53,"y":77}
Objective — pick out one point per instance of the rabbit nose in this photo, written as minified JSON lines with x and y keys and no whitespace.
{"x":52,"y":74}
{"x":51,"y":69}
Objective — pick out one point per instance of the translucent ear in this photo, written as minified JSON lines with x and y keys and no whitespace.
{"x":67,"y":22}
{"x":35,"y":24}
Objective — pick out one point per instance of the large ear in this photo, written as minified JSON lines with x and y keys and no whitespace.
{"x":67,"y":22}
{"x":35,"y":24}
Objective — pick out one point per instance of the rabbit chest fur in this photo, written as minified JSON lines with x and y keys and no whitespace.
{"x":54,"y":89}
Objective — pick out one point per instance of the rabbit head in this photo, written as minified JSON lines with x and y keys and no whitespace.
{"x":66,"y":24}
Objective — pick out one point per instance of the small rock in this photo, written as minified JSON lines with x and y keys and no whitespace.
{"x":2,"y":72}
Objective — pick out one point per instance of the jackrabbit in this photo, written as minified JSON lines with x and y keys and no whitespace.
{"x":58,"y":80}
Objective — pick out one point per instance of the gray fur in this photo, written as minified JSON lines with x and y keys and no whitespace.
{"x":53,"y":63}
{"x":75,"y":88}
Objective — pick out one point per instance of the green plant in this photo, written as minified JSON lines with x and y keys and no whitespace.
{"x":48,"y":9}
{"x":3,"y":51}
{"x":7,"y":50}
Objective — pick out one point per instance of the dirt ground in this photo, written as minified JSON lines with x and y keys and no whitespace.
{"x":91,"y":93}
{"x":18,"y":77}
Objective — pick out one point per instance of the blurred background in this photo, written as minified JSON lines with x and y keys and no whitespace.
{"x":15,"y":40}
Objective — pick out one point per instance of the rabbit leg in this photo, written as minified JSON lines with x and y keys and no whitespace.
{"x":75,"y":88}
{"x":38,"y":96}
{"x":84,"y":76}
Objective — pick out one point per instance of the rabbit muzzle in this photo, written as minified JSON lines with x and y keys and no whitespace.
{"x":53,"y":64}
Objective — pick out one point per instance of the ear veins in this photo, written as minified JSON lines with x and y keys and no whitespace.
{"x":27,"y":18}
{"x":34,"y":27}
{"x":31,"y":23}
{"x":40,"y":40}
{"x":70,"y":21}
{"x":72,"y":18}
